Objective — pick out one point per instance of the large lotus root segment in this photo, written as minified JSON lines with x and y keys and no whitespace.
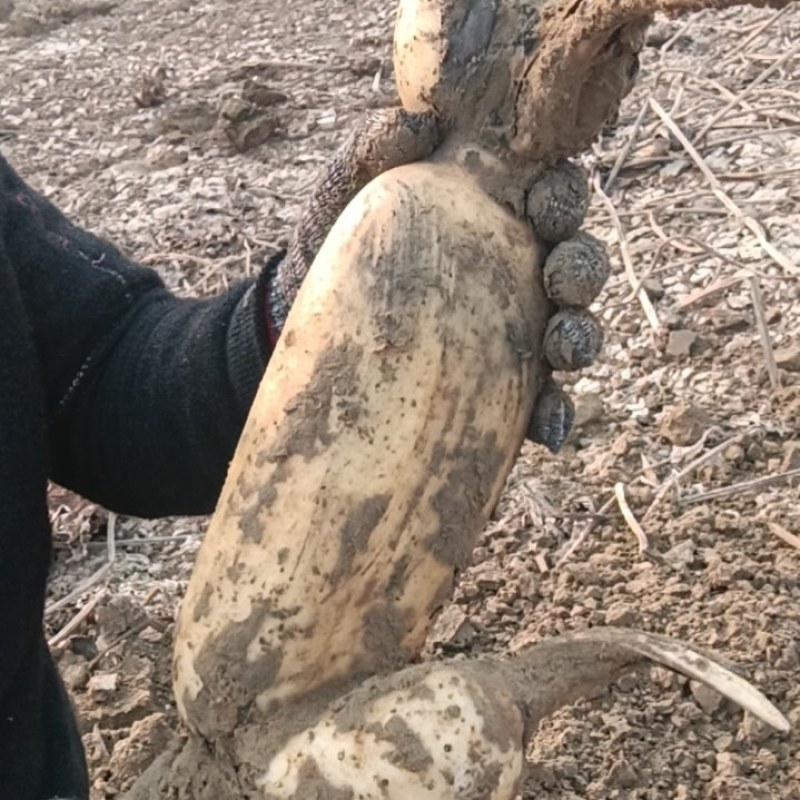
{"x":376,"y":448}
{"x":448,"y":731}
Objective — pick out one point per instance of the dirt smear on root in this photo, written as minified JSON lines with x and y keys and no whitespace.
{"x":410,"y":753}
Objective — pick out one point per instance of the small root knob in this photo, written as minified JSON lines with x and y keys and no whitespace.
{"x":553,"y":416}
{"x":558,"y":201}
{"x":572,"y":340}
{"x":576,"y":271}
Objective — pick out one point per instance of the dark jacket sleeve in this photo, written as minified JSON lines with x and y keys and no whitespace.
{"x":146,"y":393}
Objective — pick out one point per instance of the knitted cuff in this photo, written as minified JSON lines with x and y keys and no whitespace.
{"x":247,"y":347}
{"x":275,"y":305}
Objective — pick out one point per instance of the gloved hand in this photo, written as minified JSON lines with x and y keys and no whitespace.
{"x":574,"y":273}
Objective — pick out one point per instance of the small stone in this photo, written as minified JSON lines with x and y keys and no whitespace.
{"x":174,"y":136}
{"x":235,"y":109}
{"x":679,"y":343}
{"x":623,"y":774}
{"x":621,"y":445}
{"x":490,"y":578}
{"x":789,"y":658}
{"x":589,"y":408}
{"x":708,"y":699}
{"x":729,"y":520}
{"x":75,"y":675}
{"x":148,"y":738}
{"x":629,"y":682}
{"x":190,"y":119}
{"x":83,"y":646}
{"x":151,"y":635}
{"x":654,"y":288}
{"x":498,"y":607}
{"x":719,"y":575}
{"x":150,"y":90}
{"x":24,"y":24}
{"x":685,"y":714}
{"x":621,"y":614}
{"x":103,"y":684}
{"x":253,"y":132}
{"x":705,"y":772}
{"x":753,"y":729}
{"x":684,"y":424}
{"x":723,"y":320}
{"x":469,"y":590}
{"x":739,"y":788}
{"x":163,"y":156}
{"x":788,"y":358}
{"x":117,"y":616}
{"x":678,"y":589}
{"x":791,"y":456}
{"x":453,"y":627}
{"x":734,"y":453}
{"x":260,"y":94}
{"x":663,"y":677}
{"x":327,"y":121}
{"x":767,"y":759}
{"x":682,"y":555}
{"x":724,"y":742}
{"x":480,"y":554}
{"x":674,"y":168}
{"x":739,"y":302}
{"x":729,"y":765}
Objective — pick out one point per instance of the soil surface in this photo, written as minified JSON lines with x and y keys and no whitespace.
{"x":187,"y":132}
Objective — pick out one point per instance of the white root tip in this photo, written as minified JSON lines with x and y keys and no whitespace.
{"x":683,"y":658}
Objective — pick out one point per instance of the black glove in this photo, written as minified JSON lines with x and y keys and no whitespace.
{"x":574,"y":273}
